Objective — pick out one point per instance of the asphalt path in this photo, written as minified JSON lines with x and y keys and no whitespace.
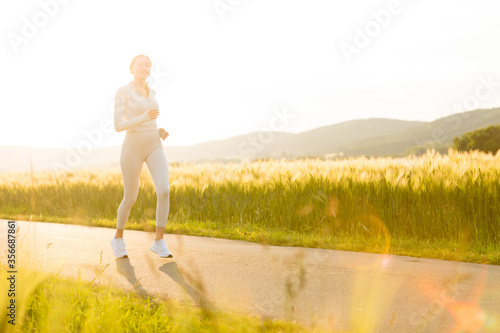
{"x":329,"y":289}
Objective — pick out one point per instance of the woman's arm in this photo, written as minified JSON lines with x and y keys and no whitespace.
{"x":120,"y":106}
{"x":163,"y":133}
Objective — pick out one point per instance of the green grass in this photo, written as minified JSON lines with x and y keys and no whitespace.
{"x":435,"y":206}
{"x":50,"y":303}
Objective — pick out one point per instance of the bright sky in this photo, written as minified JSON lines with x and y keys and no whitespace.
{"x":226,"y":70}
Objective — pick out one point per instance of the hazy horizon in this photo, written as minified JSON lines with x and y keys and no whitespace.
{"x":221,"y":139}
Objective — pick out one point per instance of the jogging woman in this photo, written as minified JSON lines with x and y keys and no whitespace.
{"x":136,"y":110}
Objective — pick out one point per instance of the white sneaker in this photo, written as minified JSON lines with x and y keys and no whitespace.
{"x":160,"y":247}
{"x":118,"y":245}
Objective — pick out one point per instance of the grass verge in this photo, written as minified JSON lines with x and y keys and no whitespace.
{"x":50,"y":303}
{"x":446,"y":249}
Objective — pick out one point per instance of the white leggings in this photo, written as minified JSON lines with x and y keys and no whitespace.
{"x":139,"y":147}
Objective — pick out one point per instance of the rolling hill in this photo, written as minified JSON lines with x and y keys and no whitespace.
{"x":433,"y":134}
{"x":368,"y":137}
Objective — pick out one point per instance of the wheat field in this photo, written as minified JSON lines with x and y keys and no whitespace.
{"x":450,"y":198}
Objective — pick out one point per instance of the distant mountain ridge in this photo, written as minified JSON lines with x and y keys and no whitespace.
{"x":438,"y":133}
{"x":368,"y":137}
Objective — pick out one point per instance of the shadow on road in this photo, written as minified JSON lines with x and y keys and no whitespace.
{"x":127,"y":270}
{"x":197,"y":293}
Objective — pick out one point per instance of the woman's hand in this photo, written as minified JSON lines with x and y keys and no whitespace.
{"x":153,"y":113}
{"x":163,"y":133}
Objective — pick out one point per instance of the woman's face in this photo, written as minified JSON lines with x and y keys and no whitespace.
{"x":141,"y":68}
